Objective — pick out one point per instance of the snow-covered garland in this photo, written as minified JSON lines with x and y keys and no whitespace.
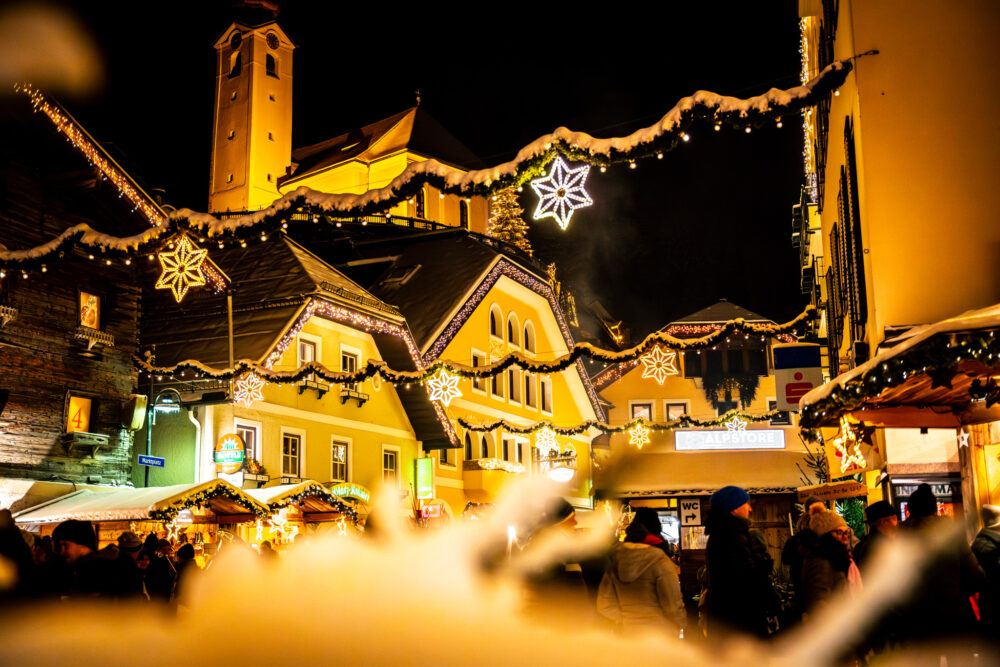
{"x":938,"y":359}
{"x":315,"y":490}
{"x":204,"y":496}
{"x":376,"y":367}
{"x":683,"y":422}
{"x":304,"y":205}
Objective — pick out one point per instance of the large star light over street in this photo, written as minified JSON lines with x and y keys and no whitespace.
{"x":561,"y":192}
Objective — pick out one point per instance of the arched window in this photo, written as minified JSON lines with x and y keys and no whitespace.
{"x":484,"y":448}
{"x":529,"y":336}
{"x":235,"y":64}
{"x":271,"y":66}
{"x":495,"y":317}
{"x":513,"y":330}
{"x":420,"y":204}
{"x":463,"y":213}
{"x":468,"y":447}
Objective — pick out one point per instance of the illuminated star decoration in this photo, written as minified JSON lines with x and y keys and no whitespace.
{"x":561,"y":192}
{"x":736,"y":424}
{"x":963,"y":439}
{"x":498,"y":349}
{"x":849,"y":448}
{"x":248,"y":390}
{"x":545,"y":439}
{"x":658,"y":364}
{"x":181,"y":268}
{"x":444,"y":387}
{"x":638,"y":436}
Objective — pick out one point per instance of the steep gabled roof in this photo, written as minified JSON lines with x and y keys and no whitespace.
{"x":413,"y":129}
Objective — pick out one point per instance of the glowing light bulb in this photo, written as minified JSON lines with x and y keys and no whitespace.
{"x":747,"y":129}
{"x":685,"y":136}
{"x":717,"y":127}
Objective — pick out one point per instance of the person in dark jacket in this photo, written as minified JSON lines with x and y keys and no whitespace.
{"x":827,"y":567}
{"x":95,"y":573}
{"x":940,"y":605}
{"x":16,"y":555}
{"x":882,"y":526}
{"x":791,"y":552}
{"x":986,"y":548}
{"x":739,"y":584}
{"x":187,"y":569}
{"x":650,"y":520}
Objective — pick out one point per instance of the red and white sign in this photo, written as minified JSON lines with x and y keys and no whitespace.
{"x":797,"y":371}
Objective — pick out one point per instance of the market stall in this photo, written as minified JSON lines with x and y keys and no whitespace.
{"x":295,"y":509}
{"x":200,"y":514}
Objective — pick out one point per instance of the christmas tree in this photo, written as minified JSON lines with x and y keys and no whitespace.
{"x":506,"y":223}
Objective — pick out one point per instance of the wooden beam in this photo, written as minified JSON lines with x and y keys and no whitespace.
{"x":907,"y":416}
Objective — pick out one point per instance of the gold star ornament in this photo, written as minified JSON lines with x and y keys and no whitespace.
{"x":638,"y":436}
{"x":181,"y":268}
{"x":658,"y":364}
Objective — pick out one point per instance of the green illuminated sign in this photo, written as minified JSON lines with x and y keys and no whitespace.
{"x":424,"y":478}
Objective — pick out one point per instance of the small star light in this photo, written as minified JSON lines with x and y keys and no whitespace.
{"x":736,"y":424}
{"x":658,"y":364}
{"x":248,"y":390}
{"x":181,"y":268}
{"x":545,"y":439}
{"x":848,"y":448}
{"x":561,"y":192}
{"x":444,"y":387}
{"x":638,"y":436}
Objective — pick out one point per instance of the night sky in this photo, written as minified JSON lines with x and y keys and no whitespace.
{"x":709,"y":221}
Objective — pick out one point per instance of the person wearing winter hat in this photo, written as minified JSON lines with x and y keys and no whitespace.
{"x":827,"y":566}
{"x":792,"y":551}
{"x":739,"y":584}
{"x":129,"y":546}
{"x":94,"y":573}
{"x":986,"y":548}
{"x":882,"y":526}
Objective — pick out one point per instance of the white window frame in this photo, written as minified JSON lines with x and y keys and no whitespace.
{"x":486,"y":382}
{"x":686,"y":402}
{"x":522,"y":446}
{"x":511,"y":444}
{"x":530,"y":379}
{"x":543,"y":381}
{"x":642,"y":401}
{"x":301,"y":433}
{"x":473,"y":441}
{"x":256,"y":426}
{"x":501,"y":379}
{"x":488,"y":439}
{"x":399,"y":461}
{"x":524,"y":339}
{"x":342,"y":440}
{"x":309,"y":338}
{"x":517,"y":375}
{"x":356,"y":352}
{"x":450,"y":462}
{"x":501,"y":322}
{"x":517,"y":331}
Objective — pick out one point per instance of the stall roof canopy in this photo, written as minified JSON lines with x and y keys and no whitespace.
{"x":312,"y":497}
{"x":924,"y":379}
{"x":702,"y":473}
{"x":157,"y":502}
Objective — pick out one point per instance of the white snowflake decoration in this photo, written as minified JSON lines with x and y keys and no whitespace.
{"x":248,"y":390}
{"x":444,"y":387}
{"x":545,"y":439}
{"x":736,"y":424}
{"x":638,"y":436}
{"x":658,"y":364}
{"x":561,"y":192}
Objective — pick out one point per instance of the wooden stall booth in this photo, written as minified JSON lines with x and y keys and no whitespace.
{"x":200,"y":514}
{"x":295,"y":509}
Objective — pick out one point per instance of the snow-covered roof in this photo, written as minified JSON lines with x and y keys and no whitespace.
{"x":128,"y":504}
{"x":971,"y":320}
{"x":311,"y":495}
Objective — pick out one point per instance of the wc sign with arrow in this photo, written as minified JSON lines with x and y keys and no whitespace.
{"x":691,"y":512}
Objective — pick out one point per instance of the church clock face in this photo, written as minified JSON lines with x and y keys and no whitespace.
{"x":272,"y":40}
{"x":235,"y":40}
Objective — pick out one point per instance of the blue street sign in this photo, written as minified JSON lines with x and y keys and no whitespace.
{"x":151,"y":461}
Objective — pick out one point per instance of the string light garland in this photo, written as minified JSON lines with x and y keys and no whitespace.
{"x":314,"y":490}
{"x":181,"y":268}
{"x":638,"y":436}
{"x":303,"y":205}
{"x":561,"y":192}
{"x":659,"y":364}
{"x":684,"y":421}
{"x":377,"y":367}
{"x":205,"y":495}
{"x":444,"y":387}
{"x":933,"y":354}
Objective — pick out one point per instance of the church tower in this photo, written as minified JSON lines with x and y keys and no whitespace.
{"x":252,"y":132}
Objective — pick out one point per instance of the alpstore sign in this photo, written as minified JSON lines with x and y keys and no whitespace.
{"x":758,"y":438}
{"x":229,"y":453}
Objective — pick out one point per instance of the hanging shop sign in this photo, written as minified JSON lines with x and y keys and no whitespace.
{"x":797,"y":370}
{"x":423,"y":475}
{"x":352,"y":491}
{"x":758,"y":438}
{"x":229,"y":453}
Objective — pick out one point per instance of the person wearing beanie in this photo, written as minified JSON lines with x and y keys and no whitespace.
{"x":129,"y":546}
{"x":986,"y":548}
{"x":792,"y":553}
{"x":939,"y":606}
{"x":882,"y":525}
{"x":814,"y":505}
{"x":827,"y":567}
{"x":739,"y":581}
{"x":94,"y":573}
